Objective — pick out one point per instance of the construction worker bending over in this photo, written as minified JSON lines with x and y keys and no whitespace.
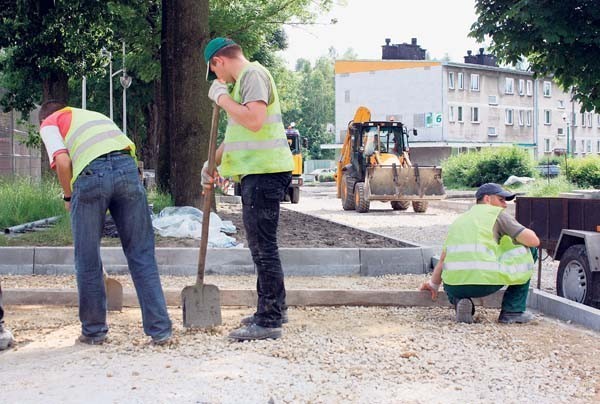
{"x":255,"y":150}
{"x":96,"y":167}
{"x":6,"y":337}
{"x":485,"y":250}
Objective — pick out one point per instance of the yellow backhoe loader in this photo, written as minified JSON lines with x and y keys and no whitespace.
{"x":375,"y":166}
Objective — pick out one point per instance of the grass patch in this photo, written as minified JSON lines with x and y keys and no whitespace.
{"x":24,"y":200}
{"x":542,"y":187}
{"x":159,"y":200}
{"x":57,"y":235}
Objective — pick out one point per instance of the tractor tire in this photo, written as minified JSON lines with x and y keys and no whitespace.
{"x":574,"y":279}
{"x":400,"y":205}
{"x":420,"y":206}
{"x":294,"y":194}
{"x":347,"y":193}
{"x":360,"y":201}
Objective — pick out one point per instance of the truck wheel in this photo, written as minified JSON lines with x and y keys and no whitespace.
{"x":420,"y":206}
{"x":400,"y":205}
{"x":574,"y":279}
{"x":361,"y":203}
{"x":347,"y":193}
{"x":294,"y":194}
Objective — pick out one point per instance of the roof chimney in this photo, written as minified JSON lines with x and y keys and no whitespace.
{"x":481,"y":51}
{"x":413,"y":41}
{"x":387,"y":41}
{"x":469,"y":52}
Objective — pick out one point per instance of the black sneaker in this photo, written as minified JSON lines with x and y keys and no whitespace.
{"x":255,"y":331}
{"x":464,"y":311}
{"x":251,"y":320}
{"x":507,"y":317}
{"x":6,"y":338}
{"x":84,"y":339}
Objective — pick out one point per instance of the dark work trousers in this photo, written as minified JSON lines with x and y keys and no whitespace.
{"x":261,"y":195}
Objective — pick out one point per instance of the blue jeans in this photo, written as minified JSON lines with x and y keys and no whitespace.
{"x":112,"y":182}
{"x":261,"y":194}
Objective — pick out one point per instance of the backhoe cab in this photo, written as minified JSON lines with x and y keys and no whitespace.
{"x":375,"y":165}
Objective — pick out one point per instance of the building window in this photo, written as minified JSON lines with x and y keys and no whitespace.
{"x":590,"y":119}
{"x":547,"y":88}
{"x":598,"y":146}
{"x":509,"y":86}
{"x":492,"y":132}
{"x":521,"y":87}
{"x":546,"y":145}
{"x":588,"y":147}
{"x":521,"y":120}
{"x":582,"y":146}
{"x":451,"y":113}
{"x":560,"y":132}
{"x":461,"y":83}
{"x":529,"y":88}
{"x":475,"y":114}
{"x":459,"y":111}
{"x":547,"y":117}
{"x":598,"y":121}
{"x":451,"y":80}
{"x":347,"y":96}
{"x":573,"y":119}
{"x":561,"y":104}
{"x":493,"y":99}
{"x":583,"y":119}
{"x":509,"y":117}
{"x":474,"y":82}
{"x":528,"y":118}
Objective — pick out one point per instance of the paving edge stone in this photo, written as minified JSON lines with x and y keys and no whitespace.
{"x":564,"y":309}
{"x":247,"y":297}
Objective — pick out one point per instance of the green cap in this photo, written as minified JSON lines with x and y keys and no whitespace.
{"x":211,"y":48}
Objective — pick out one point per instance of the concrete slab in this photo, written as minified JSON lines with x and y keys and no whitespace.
{"x":320,"y":261}
{"x":384,"y":261}
{"x":53,"y":261}
{"x":246,"y":297}
{"x":16,"y":260}
{"x":564,"y":309}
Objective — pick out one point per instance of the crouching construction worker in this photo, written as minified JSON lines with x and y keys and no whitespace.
{"x":96,"y":167}
{"x":255,"y":150}
{"x":6,"y":338}
{"x":485,"y":250}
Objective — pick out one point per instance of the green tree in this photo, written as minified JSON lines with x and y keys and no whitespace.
{"x":559,"y":38}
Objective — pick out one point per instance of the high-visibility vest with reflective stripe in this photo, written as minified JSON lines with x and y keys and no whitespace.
{"x":265,"y":151}
{"x":91,"y":135}
{"x":474,"y":258}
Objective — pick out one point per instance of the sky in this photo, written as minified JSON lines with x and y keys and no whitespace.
{"x":440,"y":26}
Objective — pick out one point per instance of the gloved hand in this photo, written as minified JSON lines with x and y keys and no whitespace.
{"x":216,"y":90}
{"x":207,"y":178}
{"x":432,"y":287}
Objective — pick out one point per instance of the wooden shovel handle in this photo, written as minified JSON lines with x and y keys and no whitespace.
{"x":212,"y":147}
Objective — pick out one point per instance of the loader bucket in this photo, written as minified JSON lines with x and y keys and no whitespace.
{"x":396,"y":183}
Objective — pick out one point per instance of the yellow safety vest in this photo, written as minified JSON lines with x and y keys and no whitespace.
{"x":265,"y":151}
{"x":474,"y":258}
{"x":91,"y":135}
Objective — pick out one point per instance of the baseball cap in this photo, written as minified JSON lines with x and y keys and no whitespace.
{"x":211,"y":48}
{"x":493,"y":189}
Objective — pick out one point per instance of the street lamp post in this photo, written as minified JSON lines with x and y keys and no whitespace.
{"x":125,"y":82}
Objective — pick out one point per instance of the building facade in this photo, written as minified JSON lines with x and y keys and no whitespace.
{"x":461,"y":106}
{"x":16,"y":159}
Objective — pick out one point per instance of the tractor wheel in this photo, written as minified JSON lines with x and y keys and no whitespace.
{"x":347,"y":193}
{"x":574,"y":279}
{"x":360,"y":201}
{"x":294,"y":194}
{"x":420,"y":206}
{"x":400,"y":205}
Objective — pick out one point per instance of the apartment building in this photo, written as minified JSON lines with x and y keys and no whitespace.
{"x":461,"y":106}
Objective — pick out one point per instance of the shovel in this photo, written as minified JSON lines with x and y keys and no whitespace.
{"x":114,"y":293}
{"x":202,"y":303}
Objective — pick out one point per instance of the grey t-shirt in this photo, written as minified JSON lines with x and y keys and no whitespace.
{"x":506,"y":225}
{"x":256,"y":86}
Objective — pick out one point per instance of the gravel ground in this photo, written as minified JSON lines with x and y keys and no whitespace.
{"x":327,"y":355}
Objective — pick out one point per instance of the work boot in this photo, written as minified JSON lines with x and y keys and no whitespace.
{"x":84,"y":339}
{"x":6,"y":338}
{"x":464,"y":311}
{"x":255,"y":331}
{"x":507,"y":317}
{"x":159,"y":341}
{"x":251,"y":319}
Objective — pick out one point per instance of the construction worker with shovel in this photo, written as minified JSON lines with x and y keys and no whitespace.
{"x":96,"y":167}
{"x":255,"y":151}
{"x":485,"y":250}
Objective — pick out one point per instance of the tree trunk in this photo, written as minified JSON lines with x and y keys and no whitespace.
{"x":151,"y":147}
{"x":186,"y":107}
{"x":54,"y":87}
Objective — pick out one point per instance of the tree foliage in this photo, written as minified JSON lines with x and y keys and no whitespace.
{"x":559,"y":38}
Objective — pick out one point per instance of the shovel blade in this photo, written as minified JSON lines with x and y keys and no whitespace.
{"x":201,"y":306}
{"x":114,"y":294}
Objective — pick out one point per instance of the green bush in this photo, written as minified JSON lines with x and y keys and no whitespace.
{"x":488,"y":165}
{"x":548,"y":187}
{"x":159,"y":200}
{"x":585,"y":172}
{"x":24,"y":200}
